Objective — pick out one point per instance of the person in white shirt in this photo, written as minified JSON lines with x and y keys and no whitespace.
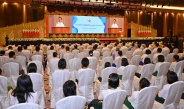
{"x":147,"y":54}
{"x":137,"y":49}
{"x":23,"y":93}
{"x":161,"y":59}
{"x":60,"y":23}
{"x":159,"y":52}
{"x":171,"y":78}
{"x":114,"y":25}
{"x":124,"y":63}
{"x":173,"y":64}
{"x":134,"y":97}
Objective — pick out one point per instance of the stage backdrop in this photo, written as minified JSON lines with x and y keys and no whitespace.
{"x":83,"y":24}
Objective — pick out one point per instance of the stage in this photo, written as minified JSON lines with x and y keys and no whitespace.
{"x":36,"y":41}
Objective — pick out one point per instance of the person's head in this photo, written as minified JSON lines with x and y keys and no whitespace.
{"x":161,"y":58}
{"x":75,"y":46}
{"x":32,"y":68}
{"x":69,"y":88}
{"x":10,"y":47}
{"x":147,"y":61}
{"x":105,"y":45}
{"x":23,"y":89}
{"x":12,"y":54}
{"x":55,"y":54}
{"x":123,"y":43}
{"x":19,"y":48}
{"x":0,"y":71}
{"x":62,"y":64}
{"x":113,"y":80}
{"x":171,"y":77}
{"x":176,"y":58}
{"x":51,"y":47}
{"x":2,"y":52}
{"x":67,"y":48}
{"x":159,"y":50}
{"x":148,"y":51}
{"x":95,"y":47}
{"x":85,"y":62}
{"x":25,"y":47}
{"x":62,"y":46}
{"x":114,"y":21}
{"x":60,"y":19}
{"x":124,"y":62}
{"x":107,"y":64}
{"x":91,"y":53}
{"x":37,"y":48}
{"x":138,"y":45}
{"x":120,"y":53}
{"x":143,"y":83}
{"x":156,"y":44}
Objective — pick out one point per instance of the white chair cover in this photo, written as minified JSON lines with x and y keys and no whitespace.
{"x":93,"y":62}
{"x":75,"y":52}
{"x":137,"y":53}
{"x":25,"y":106}
{"x":4,"y":99}
{"x":38,"y":83}
{"x":81,"y":48}
{"x":37,"y":58}
{"x":169,"y":57}
{"x":11,"y":71}
{"x":127,"y":80}
{"x":106,"y":59}
{"x":38,"y":65}
{"x":129,"y":54}
{"x":146,"y":97}
{"x":27,"y":54}
{"x":74,"y":65}
{"x":86,"y":51}
{"x":147,"y":71}
{"x":175,"y":51}
{"x":136,"y":60}
{"x":85,"y":84}
{"x":179,"y":69}
{"x":124,"y":50}
{"x":22,"y":60}
{"x":118,"y":62}
{"x":165,"y":52}
{"x":173,"y":97}
{"x":3,"y":60}
{"x":114,"y":100}
{"x":96,"y":54}
{"x":81,"y":55}
{"x":106,"y":54}
{"x":52,"y":66}
{"x":67,"y":57}
{"x":161,"y":76}
{"x":71,"y":102}
{"x":105,"y":75}
{"x":59,"y":77}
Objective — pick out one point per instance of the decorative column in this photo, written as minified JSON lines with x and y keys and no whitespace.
{"x":151,"y":20}
{"x":165,"y":24}
{"x":24,"y":14}
{"x":175,"y":24}
{"x":138,"y":17}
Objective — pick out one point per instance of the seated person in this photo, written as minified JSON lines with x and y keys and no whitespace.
{"x":161,"y":59}
{"x":113,"y":83}
{"x":174,"y":62}
{"x":107,"y":64}
{"x":23,"y":93}
{"x":134,"y":97}
{"x":124,"y":63}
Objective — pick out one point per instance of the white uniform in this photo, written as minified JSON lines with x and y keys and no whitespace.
{"x":60,"y":24}
{"x":114,"y":25}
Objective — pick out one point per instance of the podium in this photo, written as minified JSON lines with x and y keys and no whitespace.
{"x":114,"y":30}
{"x":60,"y":29}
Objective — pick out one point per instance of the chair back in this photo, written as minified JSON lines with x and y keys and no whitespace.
{"x":179,"y":69}
{"x":129,"y":54}
{"x":36,"y":58}
{"x":106,"y":59}
{"x":71,"y":102}
{"x":93,"y":63}
{"x":37,"y":80}
{"x":3,"y":86}
{"x":147,"y":71}
{"x":74,"y":65}
{"x":175,"y":51}
{"x":169,"y":57}
{"x":75,"y":52}
{"x":25,"y":106}
{"x":3,"y":59}
{"x":136,"y":60}
{"x":22,"y":60}
{"x":106,"y":54}
{"x":81,"y":55}
{"x":114,"y":100}
{"x":105,"y":75}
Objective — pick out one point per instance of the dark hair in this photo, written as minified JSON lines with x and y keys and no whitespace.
{"x":25,"y":47}
{"x":37,"y":48}
{"x":51,"y":47}
{"x":107,"y":64}
{"x":124,"y":62}
{"x":75,"y":46}
{"x":105,"y":45}
{"x":91,"y":52}
{"x":62,"y":46}
{"x":0,"y":71}
{"x":23,"y":89}
{"x":159,"y":50}
{"x":176,"y":57}
{"x":10,"y":47}
{"x":95,"y":47}
{"x":55,"y":54}
{"x":32,"y":68}
{"x":85,"y":62}
{"x":2,"y":52}
{"x":147,"y":61}
{"x":120,"y":53}
{"x":62,"y":64}
{"x":148,"y":51}
{"x":67,"y":48}
{"x":161,"y":58}
{"x":156,"y":44}
{"x":69,"y":88}
{"x":113,"y":80}
{"x":139,"y":45}
{"x":144,"y":83}
{"x":19,"y":48}
{"x":123,"y":43}
{"x":171,"y":77}
{"x":11,"y":54}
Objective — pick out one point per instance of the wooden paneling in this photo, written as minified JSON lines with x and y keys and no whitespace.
{"x":158,"y":23}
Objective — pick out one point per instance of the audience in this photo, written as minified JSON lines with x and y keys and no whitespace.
{"x":175,"y":61}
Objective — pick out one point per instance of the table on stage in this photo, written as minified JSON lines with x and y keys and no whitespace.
{"x":114,"y":30}
{"x":60,"y":29}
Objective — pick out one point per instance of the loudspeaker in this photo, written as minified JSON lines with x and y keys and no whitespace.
{"x":129,"y":33}
{"x":35,"y":13}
